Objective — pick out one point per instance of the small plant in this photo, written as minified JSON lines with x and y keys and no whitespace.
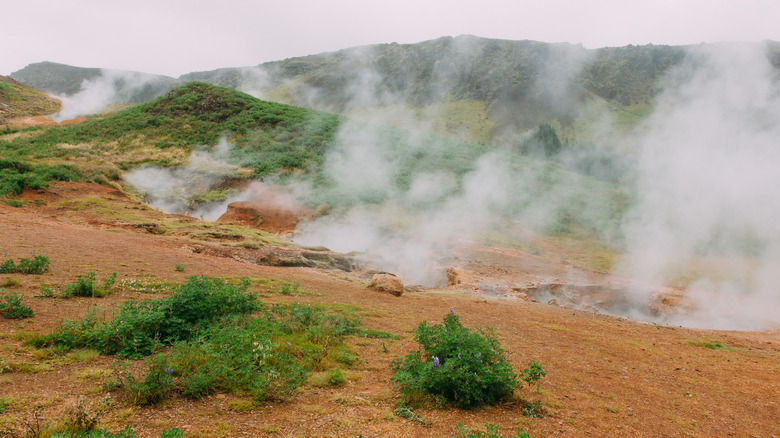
{"x":46,"y":291}
{"x":83,"y":417}
{"x":10,"y":283}
{"x":154,"y":387}
{"x":180,"y":267}
{"x":532,"y":374}
{"x":333,"y":377}
{"x":491,"y":431}
{"x":533,"y":409}
{"x":13,"y":307}
{"x":36,"y":266}
{"x":455,"y":365}
{"x":404,"y":411}
{"x":85,"y":287}
{"x":13,"y":203}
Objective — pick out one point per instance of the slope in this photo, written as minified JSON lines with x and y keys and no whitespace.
{"x":19,"y":100}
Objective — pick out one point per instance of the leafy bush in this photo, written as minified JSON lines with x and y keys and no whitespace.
{"x":455,"y":365}
{"x":85,"y":287}
{"x":139,"y":326}
{"x":13,"y":307}
{"x":37,"y":265}
{"x":491,"y":431}
{"x":16,"y":176}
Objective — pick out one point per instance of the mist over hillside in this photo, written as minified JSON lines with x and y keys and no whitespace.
{"x":476,"y":88}
{"x":662,"y":155}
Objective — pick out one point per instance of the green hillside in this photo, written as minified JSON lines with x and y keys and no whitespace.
{"x":17,"y":100}
{"x":268,"y":136}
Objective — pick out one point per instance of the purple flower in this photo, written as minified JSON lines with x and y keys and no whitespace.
{"x":169,"y":370}
{"x":435,"y":362}
{"x":465,"y":334}
{"x":452,"y":310}
{"x":286,"y":344}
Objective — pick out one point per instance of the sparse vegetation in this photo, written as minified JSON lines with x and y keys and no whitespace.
{"x":86,"y":287}
{"x":491,"y":431}
{"x":138,"y":327}
{"x":36,"y":265}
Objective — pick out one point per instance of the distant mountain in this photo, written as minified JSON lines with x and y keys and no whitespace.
{"x":119,"y":86}
{"x":476,"y":88}
{"x":18,"y":100}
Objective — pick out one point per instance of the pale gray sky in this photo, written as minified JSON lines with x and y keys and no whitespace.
{"x":173,"y":37}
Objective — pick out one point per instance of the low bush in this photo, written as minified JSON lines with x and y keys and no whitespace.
{"x":265,"y":357}
{"x":455,"y":365}
{"x":86,"y":287}
{"x":16,"y":176}
{"x":37,"y":265}
{"x":13,"y":308}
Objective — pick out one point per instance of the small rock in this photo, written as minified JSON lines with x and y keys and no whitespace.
{"x":553,"y":302}
{"x":386,"y":282}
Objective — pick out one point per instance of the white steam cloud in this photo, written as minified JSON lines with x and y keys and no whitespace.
{"x":110,"y":87}
{"x":172,"y":190}
{"x":708,"y":175}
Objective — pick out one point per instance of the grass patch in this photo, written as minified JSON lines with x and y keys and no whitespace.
{"x":712,"y":344}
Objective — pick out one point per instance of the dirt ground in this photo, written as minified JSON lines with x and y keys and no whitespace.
{"x":607,"y":376}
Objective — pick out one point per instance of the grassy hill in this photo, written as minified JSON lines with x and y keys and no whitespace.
{"x":17,"y":100}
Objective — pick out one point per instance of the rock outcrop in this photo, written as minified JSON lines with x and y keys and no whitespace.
{"x":385,"y":282}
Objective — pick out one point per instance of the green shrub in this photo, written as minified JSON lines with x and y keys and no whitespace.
{"x":154,"y":387}
{"x":13,"y":307}
{"x":37,"y":265}
{"x":85,"y":287}
{"x":491,"y":431}
{"x":266,"y":357}
{"x":237,"y":357}
{"x":140,"y":326}
{"x":455,"y":365}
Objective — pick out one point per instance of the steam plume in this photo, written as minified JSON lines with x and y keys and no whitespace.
{"x":707,"y":188}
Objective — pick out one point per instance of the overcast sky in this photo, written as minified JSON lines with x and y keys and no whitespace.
{"x":173,"y":37}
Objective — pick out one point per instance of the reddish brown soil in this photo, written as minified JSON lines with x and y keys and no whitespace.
{"x":606,"y":376}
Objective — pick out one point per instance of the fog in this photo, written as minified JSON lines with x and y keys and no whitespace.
{"x":701,"y":170}
{"x":707,"y":179}
{"x":109,"y":88}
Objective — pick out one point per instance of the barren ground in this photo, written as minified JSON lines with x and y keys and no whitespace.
{"x":606,"y":376}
